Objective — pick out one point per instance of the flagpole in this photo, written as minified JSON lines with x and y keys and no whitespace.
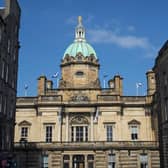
{"x":25,"y":93}
{"x":137,"y":88}
{"x":25,"y":88}
{"x":104,"y":80}
{"x":56,"y":77}
{"x":57,"y":82}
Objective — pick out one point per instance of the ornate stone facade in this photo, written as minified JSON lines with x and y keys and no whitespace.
{"x":81,"y":125}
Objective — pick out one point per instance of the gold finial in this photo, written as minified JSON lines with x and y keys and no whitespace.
{"x":79,"y":19}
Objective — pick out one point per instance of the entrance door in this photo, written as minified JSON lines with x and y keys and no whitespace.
{"x":78,"y":161}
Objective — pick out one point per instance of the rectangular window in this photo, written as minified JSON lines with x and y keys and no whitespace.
{"x":143,"y":161}
{"x":72,"y":134}
{"x":45,"y":161}
{"x":48,"y":133}
{"x":86,"y":134}
{"x":79,"y":133}
{"x":66,"y":159}
{"x":109,"y":131}
{"x":111,"y":161}
{"x":90,"y":159}
{"x":134,"y":132}
{"x":24,"y":132}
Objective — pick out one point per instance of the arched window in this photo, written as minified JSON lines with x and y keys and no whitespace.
{"x":79,"y":129}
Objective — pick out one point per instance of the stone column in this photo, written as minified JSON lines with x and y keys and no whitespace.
{"x":67,"y":127}
{"x":70,"y":161}
{"x":85,"y":161}
{"x":91,"y":127}
{"x":59,"y":114}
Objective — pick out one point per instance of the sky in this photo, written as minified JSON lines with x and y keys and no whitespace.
{"x":126,"y":35}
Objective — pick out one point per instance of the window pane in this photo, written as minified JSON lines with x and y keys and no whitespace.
{"x":66,"y":165}
{"x":90,"y":165}
{"x":72,"y":134}
{"x":48,"y":133}
{"x":79,"y":133}
{"x":45,"y":161}
{"x":66,"y":157}
{"x":144,"y":161}
{"x":111,"y":161}
{"x":24,"y":132}
{"x":90,"y":157}
{"x":86,"y":133}
{"x":134,"y":132}
{"x":109,"y":130}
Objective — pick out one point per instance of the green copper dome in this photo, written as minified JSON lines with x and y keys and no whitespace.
{"x":80,"y":45}
{"x":83,"y":47}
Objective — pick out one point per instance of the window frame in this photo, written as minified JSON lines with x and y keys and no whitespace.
{"x":111,"y":160}
{"x":80,"y":135}
{"x":79,"y":74}
{"x":134,"y":132}
{"x":44,"y":163}
{"x":48,"y":135}
{"x":24,"y":132}
{"x":145,"y":163}
{"x":109,"y":135}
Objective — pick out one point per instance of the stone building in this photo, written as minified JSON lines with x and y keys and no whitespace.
{"x":161,"y":70}
{"x":81,"y":125}
{"x":9,"y":46}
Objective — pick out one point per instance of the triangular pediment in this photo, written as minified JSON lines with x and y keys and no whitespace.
{"x":22,"y":123}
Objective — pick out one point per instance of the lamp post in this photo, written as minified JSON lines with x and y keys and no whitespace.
{"x":23,"y":144}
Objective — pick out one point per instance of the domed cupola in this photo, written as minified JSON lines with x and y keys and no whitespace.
{"x":80,"y":45}
{"x":80,"y":66}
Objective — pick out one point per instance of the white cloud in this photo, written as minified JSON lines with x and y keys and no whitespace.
{"x":112,"y":33}
{"x":125,"y":41}
{"x":131,"y":28}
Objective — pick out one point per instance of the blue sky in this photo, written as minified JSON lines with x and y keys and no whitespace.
{"x":126,"y":35}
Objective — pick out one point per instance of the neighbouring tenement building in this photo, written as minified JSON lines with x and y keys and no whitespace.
{"x":161,"y":70}
{"x":9,"y":47}
{"x":80,"y":124}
